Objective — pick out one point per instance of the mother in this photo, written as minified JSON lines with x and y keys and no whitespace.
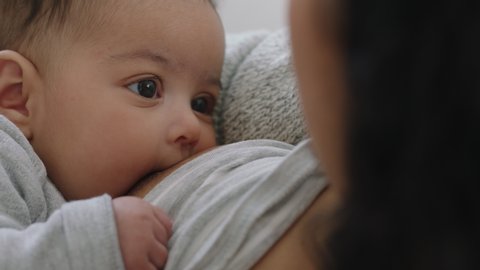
{"x":391,"y":94}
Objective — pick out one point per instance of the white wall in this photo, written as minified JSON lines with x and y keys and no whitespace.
{"x":244,"y":15}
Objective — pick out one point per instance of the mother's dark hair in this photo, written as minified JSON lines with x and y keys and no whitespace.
{"x":413,"y":137}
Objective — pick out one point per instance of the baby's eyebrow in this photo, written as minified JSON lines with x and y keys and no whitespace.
{"x":144,"y":55}
{"x":215,"y":81}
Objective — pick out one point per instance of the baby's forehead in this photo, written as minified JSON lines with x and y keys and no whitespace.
{"x":180,"y":35}
{"x":105,"y":11}
{"x":112,"y":18}
{"x":142,"y":26}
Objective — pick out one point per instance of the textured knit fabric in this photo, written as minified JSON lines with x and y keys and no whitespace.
{"x":38,"y":229}
{"x":232,"y":204}
{"x":259,"y":97}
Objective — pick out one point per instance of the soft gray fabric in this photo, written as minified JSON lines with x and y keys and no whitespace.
{"x":38,"y":229}
{"x":259,"y":98}
{"x":232,"y":204}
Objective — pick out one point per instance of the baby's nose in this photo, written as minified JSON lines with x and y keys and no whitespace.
{"x":185,"y":129}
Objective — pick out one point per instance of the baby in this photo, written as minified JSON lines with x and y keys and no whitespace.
{"x":95,"y":95}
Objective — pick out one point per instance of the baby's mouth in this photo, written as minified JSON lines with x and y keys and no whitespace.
{"x":187,"y":151}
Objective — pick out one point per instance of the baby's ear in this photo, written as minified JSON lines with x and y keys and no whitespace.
{"x":13,"y":94}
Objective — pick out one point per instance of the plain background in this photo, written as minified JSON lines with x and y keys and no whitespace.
{"x":245,"y":15}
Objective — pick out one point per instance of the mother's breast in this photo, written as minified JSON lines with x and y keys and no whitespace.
{"x":146,"y":184}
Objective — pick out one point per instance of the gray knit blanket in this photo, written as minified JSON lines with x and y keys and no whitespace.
{"x":259,"y":98}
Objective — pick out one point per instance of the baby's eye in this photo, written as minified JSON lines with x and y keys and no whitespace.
{"x":146,"y":88}
{"x":203,"y":104}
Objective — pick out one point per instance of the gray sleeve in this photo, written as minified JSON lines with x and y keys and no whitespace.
{"x":80,"y":235}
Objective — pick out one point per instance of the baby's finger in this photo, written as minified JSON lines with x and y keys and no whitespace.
{"x":160,"y":232}
{"x":151,"y":266}
{"x":161,"y":216}
{"x":158,"y":255}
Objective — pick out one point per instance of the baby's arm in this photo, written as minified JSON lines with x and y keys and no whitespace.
{"x":83,"y":235}
{"x":80,"y":235}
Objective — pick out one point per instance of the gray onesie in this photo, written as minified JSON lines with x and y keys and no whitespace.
{"x":232,"y":204}
{"x":38,"y":229}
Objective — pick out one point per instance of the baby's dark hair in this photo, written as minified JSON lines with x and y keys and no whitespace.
{"x":29,"y":26}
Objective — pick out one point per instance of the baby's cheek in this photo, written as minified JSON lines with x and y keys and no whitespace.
{"x":207,"y":140}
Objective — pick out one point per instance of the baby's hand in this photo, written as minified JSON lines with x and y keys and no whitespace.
{"x":143,"y":232}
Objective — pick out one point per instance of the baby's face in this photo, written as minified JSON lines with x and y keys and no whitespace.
{"x":137,"y":99}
